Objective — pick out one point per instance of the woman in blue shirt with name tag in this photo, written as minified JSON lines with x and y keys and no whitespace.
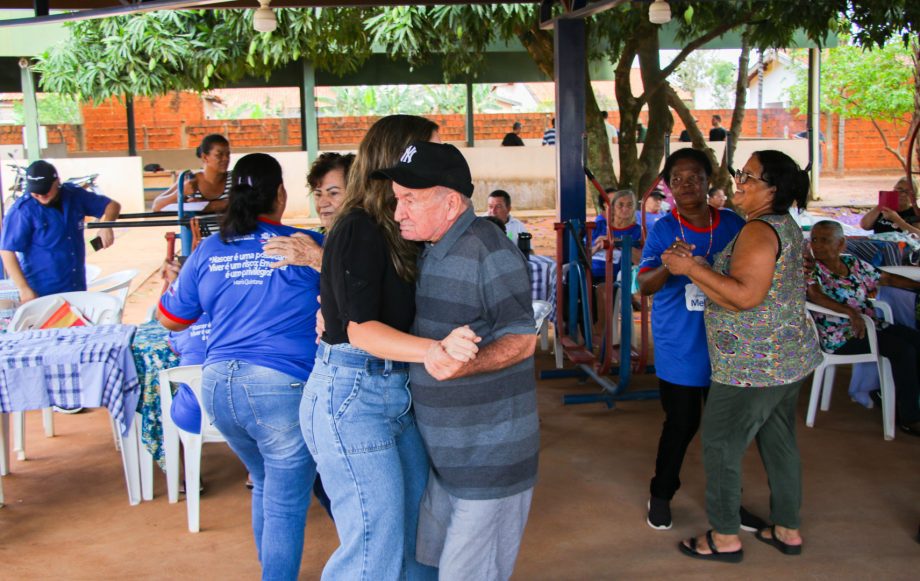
{"x":681,"y":354}
{"x":260,"y":352}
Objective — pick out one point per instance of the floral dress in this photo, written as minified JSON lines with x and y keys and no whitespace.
{"x":853,"y":290}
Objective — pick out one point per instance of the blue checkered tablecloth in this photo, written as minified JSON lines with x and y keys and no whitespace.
{"x":74,"y":367}
{"x":876,"y":252}
{"x":543,"y":280}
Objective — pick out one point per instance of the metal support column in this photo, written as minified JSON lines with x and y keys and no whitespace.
{"x":814,"y":118}
{"x":470,"y":141}
{"x":132,"y":131}
{"x":309,"y":129}
{"x":570,"y":75}
{"x":30,"y":108}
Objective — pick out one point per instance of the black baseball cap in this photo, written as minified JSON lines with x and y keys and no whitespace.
{"x":658,"y":194}
{"x":40,"y":176}
{"x":425,"y":165}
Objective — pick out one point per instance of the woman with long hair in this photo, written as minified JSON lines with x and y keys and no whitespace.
{"x":356,"y":412}
{"x":211,"y":184}
{"x":259,"y":354}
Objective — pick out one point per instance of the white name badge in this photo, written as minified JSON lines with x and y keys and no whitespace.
{"x":696,"y":299}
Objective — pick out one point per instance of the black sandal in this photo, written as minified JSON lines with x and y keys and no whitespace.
{"x":783,"y":548}
{"x":715,"y":555}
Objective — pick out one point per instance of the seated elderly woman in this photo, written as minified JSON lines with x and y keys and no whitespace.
{"x":844,"y":284}
{"x":623,"y":204}
{"x":905,"y":219}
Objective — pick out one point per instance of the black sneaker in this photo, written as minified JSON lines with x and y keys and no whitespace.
{"x":659,"y":514}
{"x":752,"y":523}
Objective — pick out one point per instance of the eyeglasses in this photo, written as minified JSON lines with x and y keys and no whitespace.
{"x":743,"y":176}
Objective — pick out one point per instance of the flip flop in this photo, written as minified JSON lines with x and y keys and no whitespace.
{"x":780,"y":545}
{"x":715,"y":555}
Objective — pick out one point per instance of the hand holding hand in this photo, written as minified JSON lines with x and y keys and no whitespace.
{"x":295,"y":250}
{"x":678,"y":258}
{"x":439,"y":364}
{"x":461,"y":344}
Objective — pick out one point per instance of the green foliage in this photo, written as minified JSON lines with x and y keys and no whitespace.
{"x":154,"y":53}
{"x":53,"y":109}
{"x":873,"y":84}
{"x":411,"y":99}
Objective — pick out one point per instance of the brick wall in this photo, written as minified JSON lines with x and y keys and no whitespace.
{"x":177,"y":122}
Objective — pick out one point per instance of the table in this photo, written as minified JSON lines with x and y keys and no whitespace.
{"x":151,"y":355}
{"x":543,"y":280}
{"x":75,"y":367}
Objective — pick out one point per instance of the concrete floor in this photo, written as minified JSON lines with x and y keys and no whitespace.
{"x":67,"y":515}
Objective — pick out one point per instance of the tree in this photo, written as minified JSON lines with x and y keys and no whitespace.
{"x":876,"y":84}
{"x":153,"y":53}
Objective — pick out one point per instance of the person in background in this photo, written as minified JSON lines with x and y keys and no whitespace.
{"x":717,"y":133}
{"x":612,"y":133}
{"x":259,"y":354}
{"x":905,"y":219}
{"x":513,"y":138}
{"x":623,"y":203}
{"x":843,"y":283}
{"x":681,"y":359}
{"x":653,"y":209}
{"x":499,"y":206}
{"x":356,"y":412}
{"x":641,"y":131}
{"x":549,"y":136}
{"x":717,"y":198}
{"x":42,"y":246}
{"x":762,"y":348}
{"x":211,"y":184}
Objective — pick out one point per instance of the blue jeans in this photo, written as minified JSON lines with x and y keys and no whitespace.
{"x":357,"y":421}
{"x":255,"y":408}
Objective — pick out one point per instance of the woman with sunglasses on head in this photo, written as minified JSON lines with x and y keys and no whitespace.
{"x":681,"y":358}
{"x":211,"y":184}
{"x":762,"y":348}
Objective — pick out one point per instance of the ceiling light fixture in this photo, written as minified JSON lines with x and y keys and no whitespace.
{"x":659,"y":12}
{"x":264,"y":19}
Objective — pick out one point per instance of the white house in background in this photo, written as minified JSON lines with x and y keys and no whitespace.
{"x":779,"y":73}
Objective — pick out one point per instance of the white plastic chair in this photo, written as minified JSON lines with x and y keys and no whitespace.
{"x":96,"y":308}
{"x":92,"y":273}
{"x":823,"y":382}
{"x":172,"y":435}
{"x":117,"y":284}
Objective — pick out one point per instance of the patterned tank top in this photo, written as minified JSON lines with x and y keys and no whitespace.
{"x":773,"y":343}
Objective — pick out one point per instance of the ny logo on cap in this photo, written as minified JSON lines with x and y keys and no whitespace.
{"x":408,"y":154}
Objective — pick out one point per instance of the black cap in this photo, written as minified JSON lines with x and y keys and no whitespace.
{"x":40,"y":176}
{"x":658,"y":194}
{"x":425,"y":165}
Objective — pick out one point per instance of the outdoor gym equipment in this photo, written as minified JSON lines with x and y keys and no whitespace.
{"x":575,"y":236}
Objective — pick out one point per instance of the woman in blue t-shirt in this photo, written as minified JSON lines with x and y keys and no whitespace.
{"x":260,"y":352}
{"x":681,"y":355}
{"x":623,"y":204}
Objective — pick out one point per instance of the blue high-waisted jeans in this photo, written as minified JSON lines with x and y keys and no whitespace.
{"x":256,"y":409}
{"x":357,"y":421}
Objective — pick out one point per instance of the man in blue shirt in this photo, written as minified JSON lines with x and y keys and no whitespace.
{"x":42,"y":244}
